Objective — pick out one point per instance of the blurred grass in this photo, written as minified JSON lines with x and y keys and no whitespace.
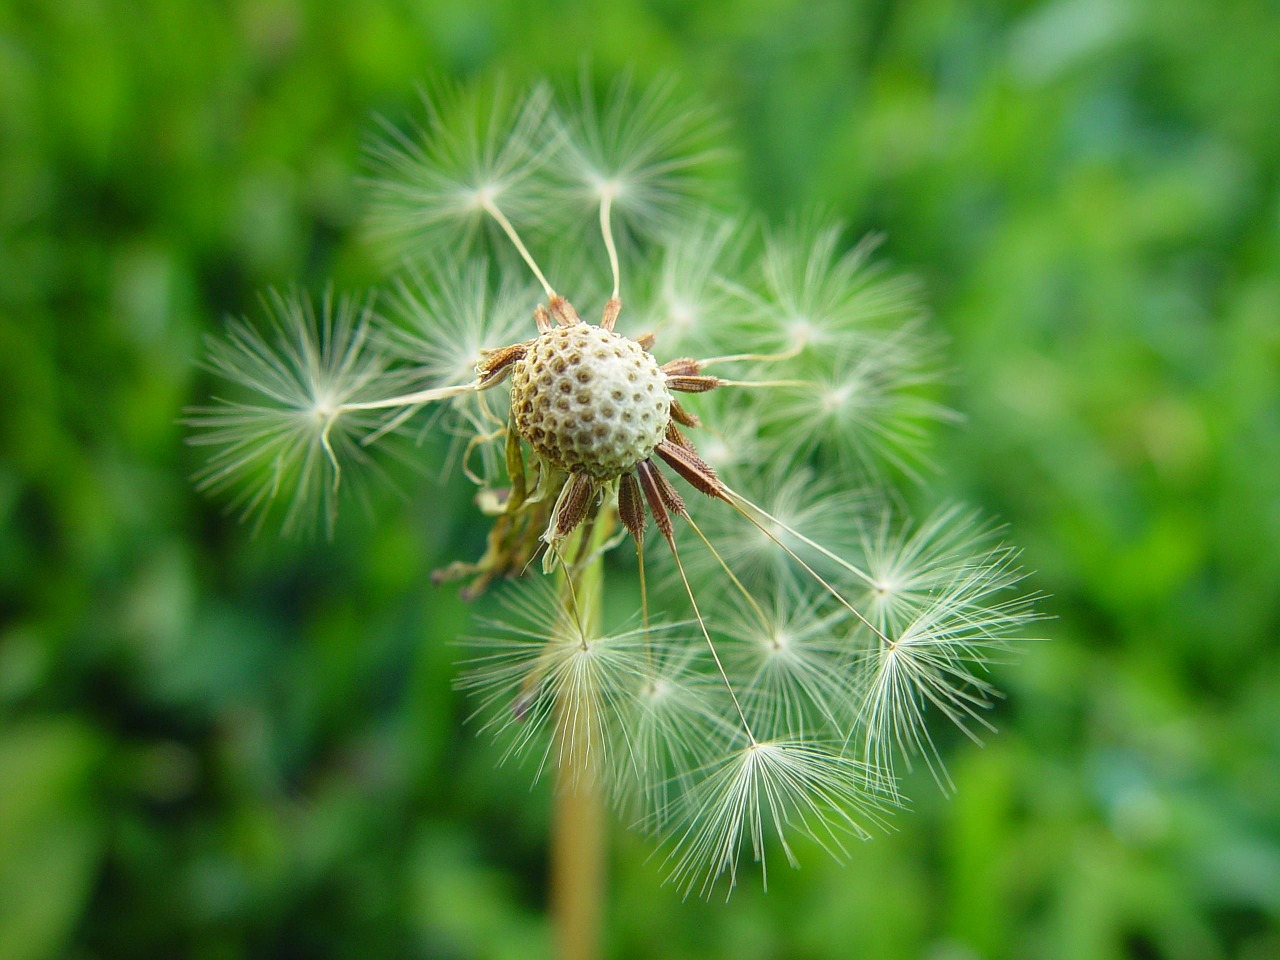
{"x":215,"y":745}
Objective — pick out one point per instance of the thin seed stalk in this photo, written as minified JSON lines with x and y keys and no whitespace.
{"x":578,"y":817}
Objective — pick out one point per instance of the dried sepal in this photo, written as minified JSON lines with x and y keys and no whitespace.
{"x":631,"y":505}
{"x":693,"y":469}
{"x":563,"y":311}
{"x":675,"y":436}
{"x":682,"y":416}
{"x":496,"y":365}
{"x":682,"y":367}
{"x":693,"y":384}
{"x":657,"y":495}
{"x":612,"y":307}
{"x":575,"y":501}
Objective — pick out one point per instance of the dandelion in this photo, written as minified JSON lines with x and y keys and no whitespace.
{"x":298,"y":411}
{"x":793,"y":638}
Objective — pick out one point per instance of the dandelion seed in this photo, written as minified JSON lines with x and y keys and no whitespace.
{"x":772,"y":790}
{"x":791,"y":664}
{"x":555,"y":688}
{"x":687,"y":299}
{"x":815,"y":297}
{"x":640,"y":157}
{"x":941,"y":598}
{"x":450,"y":314}
{"x":282,"y":440}
{"x":481,"y":148}
{"x":865,"y":405}
{"x":909,"y":564}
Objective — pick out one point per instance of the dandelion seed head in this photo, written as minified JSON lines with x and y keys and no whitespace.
{"x":834,"y":400}
{"x":608,"y":188}
{"x":658,"y":690}
{"x":887,"y":586}
{"x":824,"y":634}
{"x":590,"y":401}
{"x":484,"y":196}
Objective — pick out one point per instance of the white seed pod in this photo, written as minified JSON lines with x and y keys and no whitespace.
{"x":589,"y":400}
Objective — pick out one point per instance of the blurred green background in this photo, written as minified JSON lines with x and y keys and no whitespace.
{"x":216,"y":746}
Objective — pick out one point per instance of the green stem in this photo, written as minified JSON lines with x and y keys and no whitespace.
{"x":578,"y":820}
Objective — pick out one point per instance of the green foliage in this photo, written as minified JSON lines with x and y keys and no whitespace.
{"x":216,"y":745}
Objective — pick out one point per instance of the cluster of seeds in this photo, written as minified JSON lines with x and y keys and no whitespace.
{"x":834,"y":654}
{"x":589,"y":400}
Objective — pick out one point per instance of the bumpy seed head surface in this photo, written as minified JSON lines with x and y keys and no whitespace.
{"x":589,"y":400}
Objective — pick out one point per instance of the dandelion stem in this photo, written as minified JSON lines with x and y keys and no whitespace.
{"x":491,"y":208}
{"x":577,"y":856}
{"x":577,"y":837}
